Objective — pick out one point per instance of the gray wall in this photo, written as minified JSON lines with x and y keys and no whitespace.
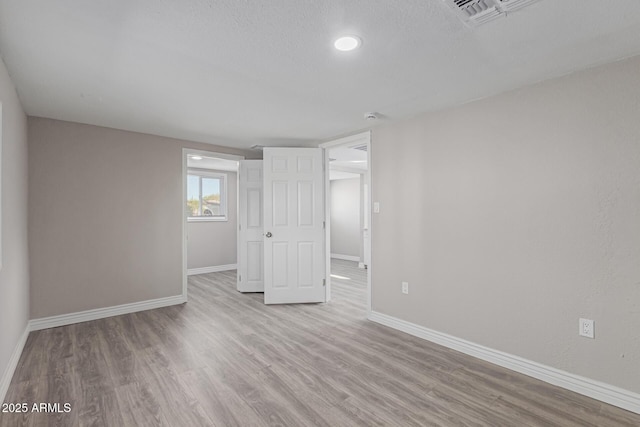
{"x":105,"y":222}
{"x":345,"y":217}
{"x":14,"y":276}
{"x":213,"y":243}
{"x":513,"y":216}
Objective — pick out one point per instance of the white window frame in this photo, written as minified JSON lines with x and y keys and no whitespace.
{"x":204,"y":173}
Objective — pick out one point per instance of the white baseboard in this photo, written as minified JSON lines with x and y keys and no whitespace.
{"x":213,"y":269}
{"x":101,"y":313}
{"x":346,"y":257}
{"x":5,"y":380}
{"x":595,"y":389}
{"x":68,"y":319}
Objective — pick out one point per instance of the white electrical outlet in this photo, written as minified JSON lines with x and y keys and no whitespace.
{"x":405,"y":287}
{"x":585,"y":328}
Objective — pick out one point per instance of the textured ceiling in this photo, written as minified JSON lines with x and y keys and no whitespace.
{"x":265,"y":72}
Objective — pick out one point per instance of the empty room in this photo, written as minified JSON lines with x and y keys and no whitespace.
{"x":320,"y":213}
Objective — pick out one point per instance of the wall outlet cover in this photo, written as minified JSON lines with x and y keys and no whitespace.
{"x":586,"y":328}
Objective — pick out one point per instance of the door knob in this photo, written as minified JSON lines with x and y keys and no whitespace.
{"x":268,"y":234}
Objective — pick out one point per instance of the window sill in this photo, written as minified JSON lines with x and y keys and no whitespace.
{"x":207,"y":219}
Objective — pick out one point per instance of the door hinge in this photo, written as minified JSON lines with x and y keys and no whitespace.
{"x":240,"y":278}
{"x":324,"y":225}
{"x":324,"y":282}
{"x":240,"y":227}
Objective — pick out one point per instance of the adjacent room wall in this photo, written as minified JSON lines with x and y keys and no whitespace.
{"x":14,"y":275}
{"x":512,"y":217}
{"x":105,"y":216}
{"x":345,"y":217}
{"x":214,"y":243}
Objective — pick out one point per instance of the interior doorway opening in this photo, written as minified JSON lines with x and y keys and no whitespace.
{"x":348,"y":215}
{"x":210,"y":212}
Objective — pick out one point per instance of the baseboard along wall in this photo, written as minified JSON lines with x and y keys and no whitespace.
{"x":101,"y":313}
{"x":212,"y":269}
{"x":595,"y":389}
{"x":591,"y":388}
{"x":71,"y":318}
{"x":5,"y":380}
{"x":346,"y":257}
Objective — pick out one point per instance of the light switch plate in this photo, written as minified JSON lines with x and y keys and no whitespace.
{"x":405,"y":287}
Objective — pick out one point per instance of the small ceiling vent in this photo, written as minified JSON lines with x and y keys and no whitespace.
{"x":477,"y":12}
{"x":362,"y":147}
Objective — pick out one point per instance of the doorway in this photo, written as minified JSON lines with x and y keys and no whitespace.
{"x":348,"y":212}
{"x":210,"y":212}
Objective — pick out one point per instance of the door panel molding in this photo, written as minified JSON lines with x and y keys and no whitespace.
{"x":251,"y":227}
{"x":293,"y":224}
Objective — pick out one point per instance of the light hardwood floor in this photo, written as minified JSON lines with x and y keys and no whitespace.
{"x":226,"y":359}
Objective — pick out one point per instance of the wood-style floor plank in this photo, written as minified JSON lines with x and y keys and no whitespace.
{"x":226,"y":359}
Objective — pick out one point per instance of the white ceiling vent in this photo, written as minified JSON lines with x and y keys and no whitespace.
{"x":477,"y":12}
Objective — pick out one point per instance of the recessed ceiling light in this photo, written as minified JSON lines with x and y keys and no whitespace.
{"x":347,"y":43}
{"x":196,"y":158}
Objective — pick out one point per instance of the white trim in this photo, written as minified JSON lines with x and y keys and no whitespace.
{"x":595,"y":389}
{"x":327,"y":223}
{"x":369,"y":182}
{"x":185,"y":216}
{"x":346,"y":257}
{"x":212,"y":269}
{"x":5,"y":381}
{"x":194,"y":219}
{"x":71,"y":318}
{"x":101,"y":313}
{"x":211,"y":173}
{"x":361,"y":265}
{"x":215,"y":154}
{"x":365,"y":137}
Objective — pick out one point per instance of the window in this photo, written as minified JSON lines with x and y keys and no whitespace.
{"x":206,"y":196}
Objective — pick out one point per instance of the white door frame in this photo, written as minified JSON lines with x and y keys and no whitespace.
{"x":185,"y":153}
{"x":362,"y":138}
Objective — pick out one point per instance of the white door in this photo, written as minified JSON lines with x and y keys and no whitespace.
{"x":250,"y":227}
{"x":293,"y":226}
